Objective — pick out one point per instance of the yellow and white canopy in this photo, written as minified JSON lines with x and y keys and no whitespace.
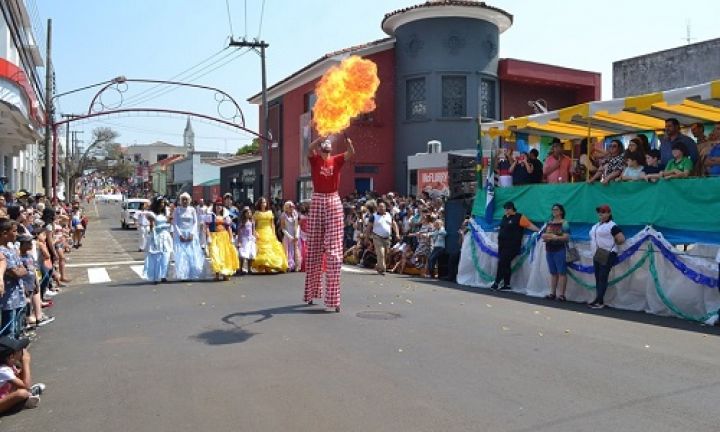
{"x":700,"y":103}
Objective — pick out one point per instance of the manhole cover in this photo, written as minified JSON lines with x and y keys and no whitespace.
{"x":377,"y":315}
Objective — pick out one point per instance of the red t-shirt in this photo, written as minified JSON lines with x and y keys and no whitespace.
{"x":326,"y":172}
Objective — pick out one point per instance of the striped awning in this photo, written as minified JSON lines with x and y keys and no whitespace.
{"x":700,"y":103}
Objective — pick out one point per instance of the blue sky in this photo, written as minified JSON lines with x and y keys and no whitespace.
{"x":96,"y":40}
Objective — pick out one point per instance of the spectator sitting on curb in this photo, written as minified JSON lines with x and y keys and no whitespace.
{"x":16,"y":388}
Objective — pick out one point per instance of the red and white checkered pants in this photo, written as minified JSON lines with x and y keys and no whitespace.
{"x":325,"y":242}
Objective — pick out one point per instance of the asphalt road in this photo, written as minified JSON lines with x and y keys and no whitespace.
{"x":403,"y":355}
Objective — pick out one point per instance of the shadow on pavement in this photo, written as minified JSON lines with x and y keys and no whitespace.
{"x":238,"y":334}
{"x":224,"y":337}
{"x":627,"y":315}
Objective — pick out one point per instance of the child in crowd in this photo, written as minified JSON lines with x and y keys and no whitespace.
{"x":246,"y":240}
{"x":16,"y":388}
{"x":652,"y":169}
{"x":680,"y":165}
{"x":31,"y":285}
{"x":633,"y":169}
{"x":13,"y":299}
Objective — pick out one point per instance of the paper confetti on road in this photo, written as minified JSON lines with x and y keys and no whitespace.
{"x":505,"y":328}
{"x":408,"y":301}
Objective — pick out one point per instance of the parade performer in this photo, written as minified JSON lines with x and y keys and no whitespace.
{"x":189,"y":256}
{"x":223,"y":255}
{"x":303,"y":220}
{"x":159,"y":243}
{"x":270,"y":256}
{"x":202,"y":212}
{"x":291,"y":233}
{"x":246,"y":240}
{"x":325,"y":240}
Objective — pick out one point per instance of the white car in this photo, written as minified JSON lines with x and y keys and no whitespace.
{"x":129,"y":208}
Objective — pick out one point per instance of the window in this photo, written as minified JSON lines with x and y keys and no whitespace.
{"x":416,"y":103}
{"x":454,"y":100}
{"x":309,"y":100}
{"x":487,"y":99}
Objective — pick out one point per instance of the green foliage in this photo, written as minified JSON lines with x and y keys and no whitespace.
{"x":252,"y":148}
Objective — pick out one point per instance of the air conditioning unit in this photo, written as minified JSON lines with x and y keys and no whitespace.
{"x":434,"y":146}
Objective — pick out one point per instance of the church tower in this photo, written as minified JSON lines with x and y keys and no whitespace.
{"x":189,"y":137}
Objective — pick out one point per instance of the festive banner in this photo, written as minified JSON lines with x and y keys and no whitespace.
{"x":689,"y":206}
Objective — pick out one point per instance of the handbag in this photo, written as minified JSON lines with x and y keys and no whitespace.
{"x":571,"y":254}
{"x":602,"y":256}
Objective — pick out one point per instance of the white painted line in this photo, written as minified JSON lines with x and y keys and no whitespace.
{"x":106,"y":263}
{"x":98,"y":275}
{"x":138,"y":269}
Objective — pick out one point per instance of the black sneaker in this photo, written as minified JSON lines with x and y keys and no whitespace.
{"x":505,"y":288}
{"x":494,"y":287}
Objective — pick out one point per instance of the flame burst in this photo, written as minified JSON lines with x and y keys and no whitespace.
{"x":344,"y":92}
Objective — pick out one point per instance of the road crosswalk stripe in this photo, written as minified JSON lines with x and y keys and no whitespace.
{"x":138,"y":269}
{"x":98,"y":275}
{"x":119,"y":271}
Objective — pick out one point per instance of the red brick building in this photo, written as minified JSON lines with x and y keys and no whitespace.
{"x":393,"y":132}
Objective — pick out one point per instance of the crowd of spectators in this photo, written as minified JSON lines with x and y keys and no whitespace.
{"x":36,"y":236}
{"x":677,"y":156}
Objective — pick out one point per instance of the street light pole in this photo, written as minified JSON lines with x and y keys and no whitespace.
{"x":266,"y":149}
{"x":47,"y":180}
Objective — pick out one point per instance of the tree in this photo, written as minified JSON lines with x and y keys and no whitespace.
{"x":252,"y":148}
{"x":102,"y":137}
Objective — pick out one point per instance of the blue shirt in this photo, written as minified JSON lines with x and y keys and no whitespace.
{"x":666,"y":148}
{"x":14,"y":296}
{"x":715,"y":152}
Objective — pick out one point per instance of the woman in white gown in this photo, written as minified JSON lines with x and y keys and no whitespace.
{"x":189,"y":256}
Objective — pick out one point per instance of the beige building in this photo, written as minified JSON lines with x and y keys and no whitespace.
{"x":155,"y":152}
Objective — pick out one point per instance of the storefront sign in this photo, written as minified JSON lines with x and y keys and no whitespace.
{"x":434,"y":181}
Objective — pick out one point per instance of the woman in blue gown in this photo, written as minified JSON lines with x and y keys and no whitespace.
{"x":189,"y":256}
{"x":160,"y":243}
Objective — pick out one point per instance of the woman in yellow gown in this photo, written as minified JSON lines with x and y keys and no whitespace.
{"x":223,"y":255}
{"x":270,"y":256}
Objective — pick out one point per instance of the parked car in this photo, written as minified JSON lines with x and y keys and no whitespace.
{"x":129,"y":208}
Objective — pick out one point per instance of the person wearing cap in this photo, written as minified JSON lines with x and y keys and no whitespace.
{"x":605,"y":236}
{"x":325,"y":242}
{"x":16,"y":387}
{"x":512,"y":229}
{"x":680,"y":166}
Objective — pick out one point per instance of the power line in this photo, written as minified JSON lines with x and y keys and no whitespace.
{"x":262,"y":13}
{"x":227,"y":4}
{"x":160,"y":132}
{"x":192,"y":78}
{"x":245,"y":19}
{"x":154,"y":88}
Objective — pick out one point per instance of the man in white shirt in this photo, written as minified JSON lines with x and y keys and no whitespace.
{"x":382,"y":228}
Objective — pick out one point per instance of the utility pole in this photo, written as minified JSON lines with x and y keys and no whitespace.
{"x":47,"y":183}
{"x":68,"y":156}
{"x":266,"y":151}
